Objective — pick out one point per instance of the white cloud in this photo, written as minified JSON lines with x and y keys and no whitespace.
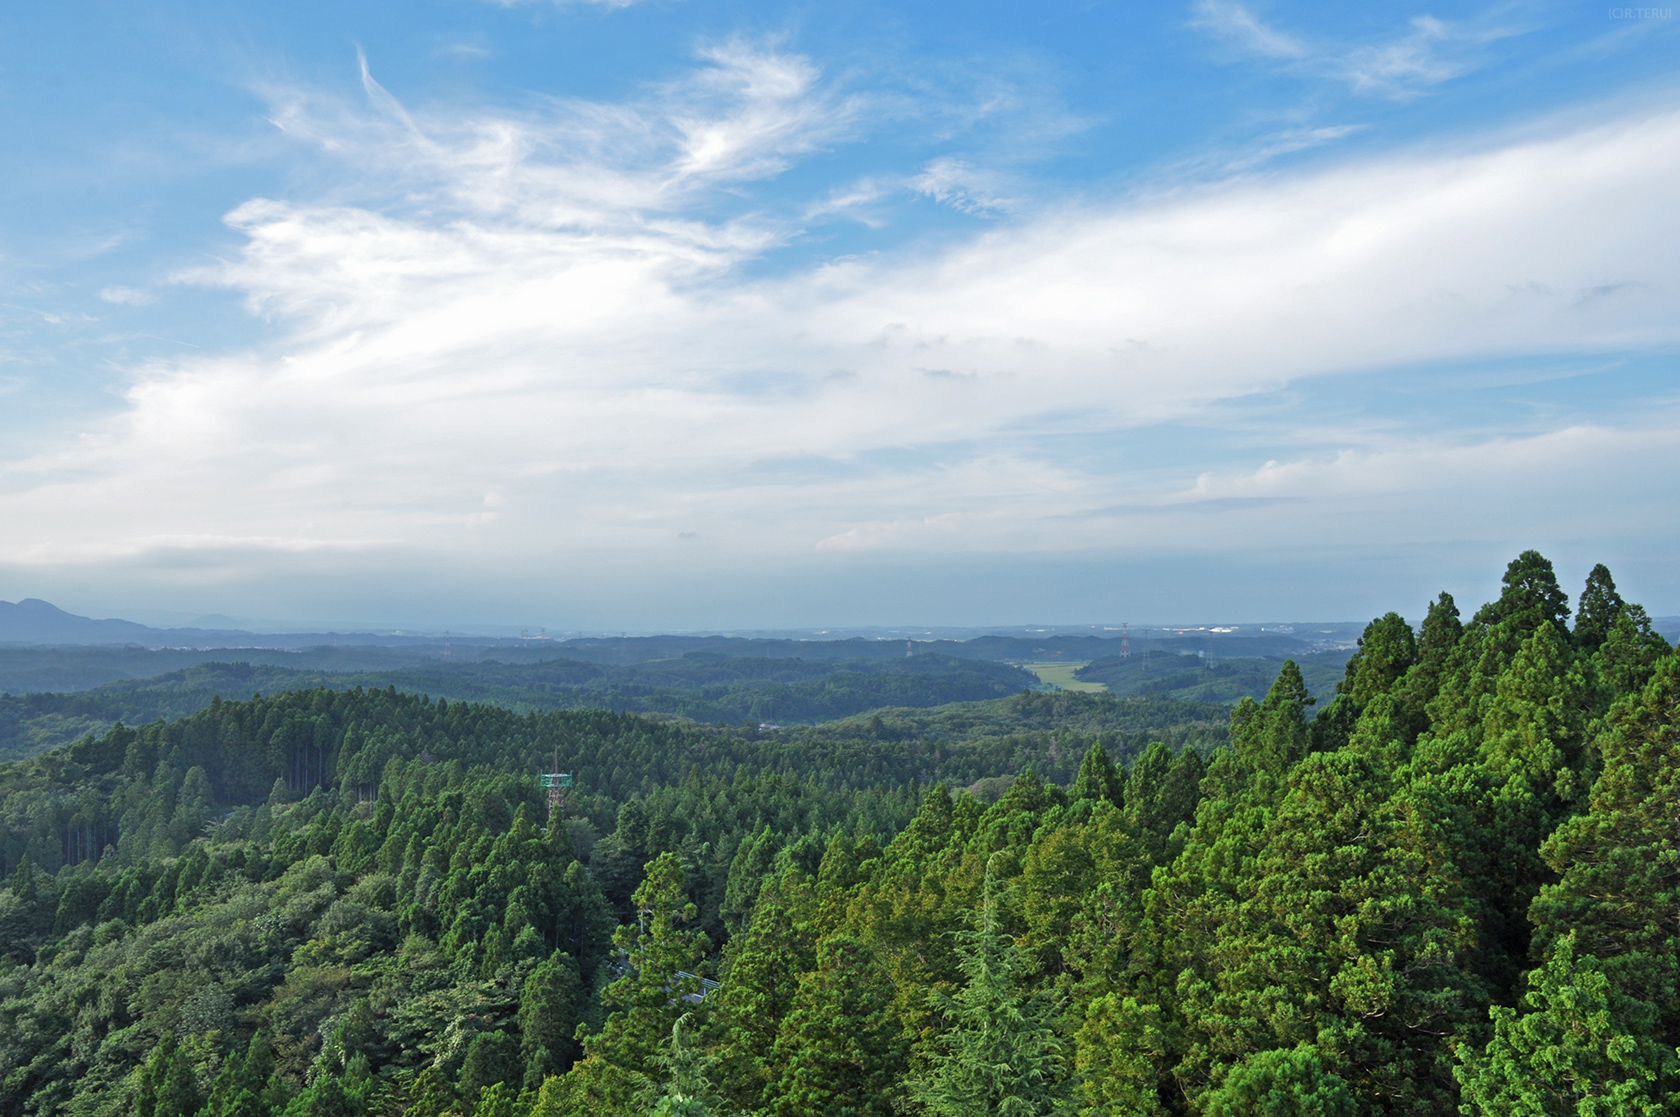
{"x":1236,"y":23}
{"x":127,"y":296}
{"x":1405,"y":64}
{"x":548,"y":314}
{"x":1289,"y":142}
{"x":955,"y":183}
{"x":1430,"y":52}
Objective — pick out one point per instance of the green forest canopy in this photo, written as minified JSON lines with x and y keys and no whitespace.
{"x":1454,"y":885}
{"x":699,"y":686}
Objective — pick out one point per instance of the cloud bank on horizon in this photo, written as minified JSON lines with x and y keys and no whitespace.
{"x":758,"y":333}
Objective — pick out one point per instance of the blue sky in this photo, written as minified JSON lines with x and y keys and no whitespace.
{"x":683,"y":315}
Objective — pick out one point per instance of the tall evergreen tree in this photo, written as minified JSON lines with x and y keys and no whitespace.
{"x":1582,"y":1049}
{"x":1630,"y":652}
{"x":1440,"y":631}
{"x":1387,"y":650}
{"x":1097,"y":780}
{"x":840,"y":1051}
{"x":659,"y":948}
{"x":1000,"y":1055}
{"x":167,"y":1085}
{"x":1599,"y":607}
{"x":1531,"y":596}
{"x":683,"y":1087}
{"x":1618,"y":863}
{"x":492,"y":1057}
{"x":762,"y":967}
{"x":548,"y":1018}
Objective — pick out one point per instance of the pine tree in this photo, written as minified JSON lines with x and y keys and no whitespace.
{"x":1292,"y":1082}
{"x":683,"y":1088}
{"x":1272,"y":735}
{"x":1630,"y":652}
{"x":432,"y":1095}
{"x":839,"y":1051}
{"x":747,"y":871}
{"x":1387,"y":650}
{"x":658,"y":948}
{"x":548,"y":1018}
{"x":242,"y":1079}
{"x":492,"y":1057}
{"x":1000,"y":1055}
{"x":167,"y":1085}
{"x":1530,"y":598}
{"x":1161,"y":793}
{"x":1581,"y":1050}
{"x":762,"y":967}
{"x":1097,"y":780}
{"x":1599,"y":607}
{"x":1618,"y":863}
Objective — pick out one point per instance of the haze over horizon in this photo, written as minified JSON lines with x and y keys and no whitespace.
{"x":673,"y":317}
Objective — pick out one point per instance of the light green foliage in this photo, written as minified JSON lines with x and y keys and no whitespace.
{"x":1000,"y":1052}
{"x":1579,"y":1050}
{"x":1297,"y":1082}
{"x":1457,"y":885}
{"x":658,"y":948}
{"x":683,"y":1088}
{"x":839,"y":1049}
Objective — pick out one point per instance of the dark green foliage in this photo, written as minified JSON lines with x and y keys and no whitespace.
{"x":1386,"y":652}
{"x":700,"y":686}
{"x":1193,"y":678}
{"x":1630,"y":652}
{"x":1454,"y":889}
{"x":1618,"y":863}
{"x":684,"y":1089}
{"x":166,"y":1084}
{"x":1097,"y":781}
{"x":1161,"y":794}
{"x":1531,"y":596}
{"x":1600,"y":605}
{"x":551,"y":1006}
{"x":492,"y":1058}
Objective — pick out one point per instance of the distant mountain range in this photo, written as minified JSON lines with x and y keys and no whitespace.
{"x":33,"y":621}
{"x":37,"y":623}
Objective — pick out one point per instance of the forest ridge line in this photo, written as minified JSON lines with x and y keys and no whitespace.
{"x":1447,"y":886}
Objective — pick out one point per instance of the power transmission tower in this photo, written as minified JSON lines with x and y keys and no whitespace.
{"x":556,"y":783}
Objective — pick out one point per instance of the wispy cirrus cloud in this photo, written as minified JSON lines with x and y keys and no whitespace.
{"x":609,"y":4}
{"x":1429,"y":52}
{"x":1235,"y":23}
{"x":541,"y":335}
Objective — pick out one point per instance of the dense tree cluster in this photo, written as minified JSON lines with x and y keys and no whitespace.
{"x":698,"y":686}
{"x":1452,"y":887}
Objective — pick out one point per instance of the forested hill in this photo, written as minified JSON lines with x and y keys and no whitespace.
{"x":1451,"y":887}
{"x":150,"y":790}
{"x":1223,"y":679}
{"x":698,"y":686}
